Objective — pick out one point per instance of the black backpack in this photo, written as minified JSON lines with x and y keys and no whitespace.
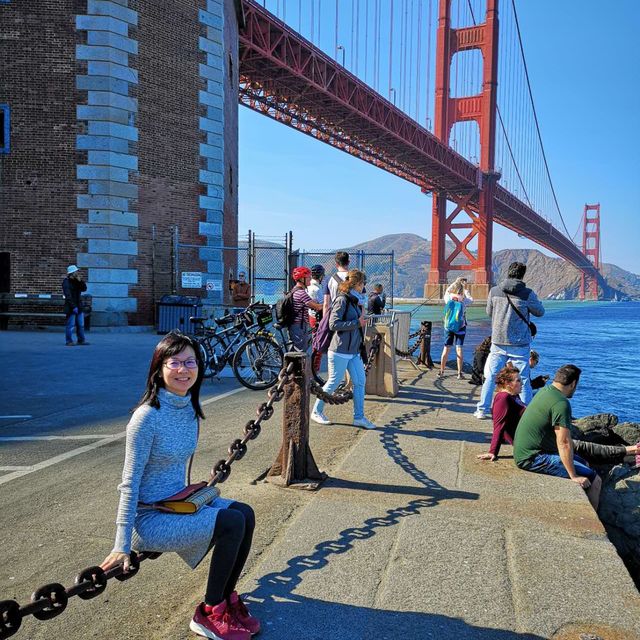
{"x":285,"y":312}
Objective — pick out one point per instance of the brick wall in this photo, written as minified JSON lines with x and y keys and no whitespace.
{"x":60,"y":205}
{"x":37,"y":178}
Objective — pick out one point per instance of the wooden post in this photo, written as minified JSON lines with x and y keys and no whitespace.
{"x":425,"y":347}
{"x":382,"y":379}
{"x":294,"y":465}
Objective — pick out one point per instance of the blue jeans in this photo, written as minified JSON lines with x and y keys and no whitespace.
{"x":498,"y":357}
{"x":74,"y":320}
{"x":337,"y":368}
{"x":551,"y":465}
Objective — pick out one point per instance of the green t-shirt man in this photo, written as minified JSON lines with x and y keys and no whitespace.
{"x":535,"y":433}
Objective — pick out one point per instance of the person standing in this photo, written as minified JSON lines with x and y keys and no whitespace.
{"x":330,"y":290}
{"x":162,"y":436}
{"x":456,"y":299}
{"x":72,"y":288}
{"x":377,"y":300}
{"x":241,"y":292}
{"x":347,"y":322}
{"x":315,"y":292}
{"x":302,"y":304}
{"x":509,"y":304}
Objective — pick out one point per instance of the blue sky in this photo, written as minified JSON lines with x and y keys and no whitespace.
{"x":584,"y":66}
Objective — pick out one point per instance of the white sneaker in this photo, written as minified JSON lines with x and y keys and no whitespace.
{"x":481,"y":415}
{"x":320,"y":418}
{"x":363,"y":422}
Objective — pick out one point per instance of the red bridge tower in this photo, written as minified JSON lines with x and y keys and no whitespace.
{"x":591,"y":248}
{"x":480,"y":108}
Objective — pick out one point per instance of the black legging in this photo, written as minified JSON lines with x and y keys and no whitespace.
{"x":231,"y":542}
{"x":595,"y":453}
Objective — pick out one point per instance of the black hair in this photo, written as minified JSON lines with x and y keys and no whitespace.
{"x":342,"y":258}
{"x":172,"y":344}
{"x":567,"y":374}
{"x":516,"y":270}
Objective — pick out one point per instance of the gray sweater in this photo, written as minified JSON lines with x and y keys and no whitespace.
{"x":344,"y":321}
{"x":158,"y":447}
{"x":507,"y":328}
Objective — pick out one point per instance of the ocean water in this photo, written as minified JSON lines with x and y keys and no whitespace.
{"x":602,"y":338}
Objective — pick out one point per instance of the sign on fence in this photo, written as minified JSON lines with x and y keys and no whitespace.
{"x":191,"y":280}
{"x":214,"y":285}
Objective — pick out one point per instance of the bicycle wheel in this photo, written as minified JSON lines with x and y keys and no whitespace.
{"x":212,"y":350}
{"x":257,"y":363}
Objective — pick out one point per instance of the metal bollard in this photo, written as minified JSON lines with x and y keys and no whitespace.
{"x":425,"y":347}
{"x":294,"y":465}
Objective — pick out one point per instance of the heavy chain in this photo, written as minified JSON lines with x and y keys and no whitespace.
{"x":51,"y":599}
{"x":337,"y":397}
{"x":420,"y":334}
{"x":344,"y":395}
{"x":376,"y":341}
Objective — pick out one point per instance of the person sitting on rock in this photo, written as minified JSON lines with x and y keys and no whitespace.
{"x":543,"y":444}
{"x":505,"y":410}
{"x":539,"y":381}
{"x":508,"y":409}
{"x":479,"y":360}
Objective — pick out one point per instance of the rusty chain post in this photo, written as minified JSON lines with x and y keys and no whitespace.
{"x":295,"y":465}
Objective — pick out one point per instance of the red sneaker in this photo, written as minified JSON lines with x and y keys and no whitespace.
{"x":239,"y":611}
{"x":218,"y":624}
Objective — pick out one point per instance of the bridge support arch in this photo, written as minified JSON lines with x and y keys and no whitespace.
{"x":591,"y":249}
{"x":448,"y":110}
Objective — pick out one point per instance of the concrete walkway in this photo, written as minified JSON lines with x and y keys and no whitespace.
{"x":414,"y":538}
{"x":411,"y":537}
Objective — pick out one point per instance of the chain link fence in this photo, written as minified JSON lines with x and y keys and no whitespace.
{"x":379,"y":267}
{"x":208,"y":272}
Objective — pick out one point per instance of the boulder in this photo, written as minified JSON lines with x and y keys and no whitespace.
{"x":619,"y":511}
{"x":596,"y":428}
{"x":628,"y":431}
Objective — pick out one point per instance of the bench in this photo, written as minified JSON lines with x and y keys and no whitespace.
{"x":31,"y":306}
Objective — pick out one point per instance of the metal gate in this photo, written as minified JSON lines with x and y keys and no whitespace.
{"x":207,"y":271}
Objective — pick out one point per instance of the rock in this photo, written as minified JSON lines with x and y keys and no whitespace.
{"x":628,"y":431}
{"x":596,"y":428}
{"x":619,"y":511}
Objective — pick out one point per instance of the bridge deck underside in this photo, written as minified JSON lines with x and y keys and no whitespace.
{"x":284,"y":76}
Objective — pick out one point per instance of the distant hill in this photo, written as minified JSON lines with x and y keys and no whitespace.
{"x":549,"y":277}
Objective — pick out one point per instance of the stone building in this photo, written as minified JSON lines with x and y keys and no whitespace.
{"x":118,"y":125}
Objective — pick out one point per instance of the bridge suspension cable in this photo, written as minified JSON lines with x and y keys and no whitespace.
{"x":390,"y":46}
{"x":535,"y":116}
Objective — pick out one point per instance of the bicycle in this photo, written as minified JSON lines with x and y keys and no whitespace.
{"x":255,"y":359}
{"x":280,"y":336}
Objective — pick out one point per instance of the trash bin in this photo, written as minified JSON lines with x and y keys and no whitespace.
{"x":173,"y":312}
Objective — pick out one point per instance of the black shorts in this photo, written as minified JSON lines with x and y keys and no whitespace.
{"x":452,"y":338}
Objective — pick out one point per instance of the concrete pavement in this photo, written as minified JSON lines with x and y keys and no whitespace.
{"x":411,"y":537}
